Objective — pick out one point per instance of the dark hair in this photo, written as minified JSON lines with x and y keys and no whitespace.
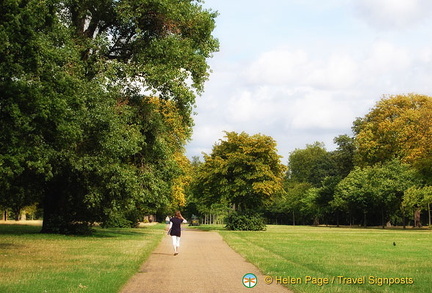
{"x":178,"y":215}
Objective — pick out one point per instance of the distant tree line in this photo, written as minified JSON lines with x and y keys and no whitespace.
{"x":380,"y":175}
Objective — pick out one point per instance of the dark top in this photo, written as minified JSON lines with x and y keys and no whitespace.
{"x":176,"y":226}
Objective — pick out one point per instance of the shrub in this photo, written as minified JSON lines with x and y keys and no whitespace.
{"x":245,"y":221}
{"x":116,"y":221}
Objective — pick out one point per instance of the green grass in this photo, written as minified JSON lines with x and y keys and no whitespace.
{"x":103,"y":262}
{"x":323,"y":252}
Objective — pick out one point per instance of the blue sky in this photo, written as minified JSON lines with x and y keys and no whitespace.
{"x":302,"y":70}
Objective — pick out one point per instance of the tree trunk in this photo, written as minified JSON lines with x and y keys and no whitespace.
{"x":429,"y":212}
{"x":17,"y":213}
{"x":364,"y":219}
{"x":337,"y":219}
{"x":54,"y":211}
{"x":417,"y":218}
{"x":293,"y":218}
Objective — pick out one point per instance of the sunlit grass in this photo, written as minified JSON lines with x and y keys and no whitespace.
{"x":322,"y":252}
{"x":34,"y":262}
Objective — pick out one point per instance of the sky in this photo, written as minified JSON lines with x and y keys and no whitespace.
{"x":301,"y":71}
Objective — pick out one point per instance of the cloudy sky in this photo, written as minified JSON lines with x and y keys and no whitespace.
{"x":302,"y":70}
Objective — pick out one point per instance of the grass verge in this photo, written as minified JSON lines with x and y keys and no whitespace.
{"x":103,"y":262}
{"x":340,"y":255}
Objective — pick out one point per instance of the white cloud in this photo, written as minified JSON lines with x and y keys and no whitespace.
{"x":321,"y":110}
{"x":339,"y":71}
{"x":279,"y":66}
{"x":393,"y":14}
{"x":387,"y":57}
{"x":312,"y":85}
{"x":297,"y":67}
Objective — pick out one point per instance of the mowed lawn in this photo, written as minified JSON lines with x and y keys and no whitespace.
{"x":341,"y":256}
{"x":33,"y":262}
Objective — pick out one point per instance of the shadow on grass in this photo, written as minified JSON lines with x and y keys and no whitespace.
{"x":6,"y":229}
{"x":22,"y":229}
{"x":208,"y":228}
{"x":8,"y":246}
{"x":355,"y":227}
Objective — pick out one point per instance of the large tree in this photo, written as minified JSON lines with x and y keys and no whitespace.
{"x":311,"y":164}
{"x":79,"y":133}
{"x":375,"y":192}
{"x":397,"y":127}
{"x":243,"y":171}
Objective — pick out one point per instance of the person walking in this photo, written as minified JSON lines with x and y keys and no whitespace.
{"x":175,"y":230}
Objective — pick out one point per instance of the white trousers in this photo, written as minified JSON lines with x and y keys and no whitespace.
{"x":176,"y":241}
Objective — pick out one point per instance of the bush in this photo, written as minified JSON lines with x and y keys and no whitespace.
{"x":116,"y":221}
{"x":245,"y":221}
{"x":121,"y":220}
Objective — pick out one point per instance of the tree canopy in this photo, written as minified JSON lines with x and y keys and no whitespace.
{"x":397,"y":127}
{"x":96,"y":100}
{"x":376,"y":191}
{"x":243,"y":171}
{"x":311,"y":164}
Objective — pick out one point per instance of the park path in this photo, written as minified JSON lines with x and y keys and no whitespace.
{"x":205,"y":264}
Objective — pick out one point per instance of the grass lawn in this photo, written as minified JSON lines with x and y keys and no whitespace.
{"x":340,"y":255}
{"x":34,"y":262}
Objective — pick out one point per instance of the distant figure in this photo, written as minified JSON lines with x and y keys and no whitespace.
{"x":167,"y":220}
{"x":175,"y":230}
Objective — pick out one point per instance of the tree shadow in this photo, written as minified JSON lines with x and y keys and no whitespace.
{"x":9,"y":246}
{"x":11,"y":229}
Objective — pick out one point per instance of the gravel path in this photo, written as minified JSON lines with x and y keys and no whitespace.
{"x":205,"y":264}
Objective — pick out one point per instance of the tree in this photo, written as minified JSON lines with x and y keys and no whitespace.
{"x":242,"y":171}
{"x":77,"y":124}
{"x":343,"y":156}
{"x":397,"y":127}
{"x":417,"y":198}
{"x":375,"y":191}
{"x":311,"y":164}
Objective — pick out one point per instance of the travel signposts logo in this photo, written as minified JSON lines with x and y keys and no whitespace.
{"x":250,"y":280}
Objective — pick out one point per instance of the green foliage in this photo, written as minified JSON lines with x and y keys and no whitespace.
{"x":116,"y":220}
{"x":377,"y":189}
{"x":343,"y":156}
{"x":311,"y":164}
{"x":417,"y":197}
{"x":245,"y":221}
{"x":312,"y":176}
{"x":244,"y":171}
{"x":79,"y":134}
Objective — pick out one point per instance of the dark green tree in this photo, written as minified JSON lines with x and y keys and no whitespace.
{"x":376,"y":192}
{"x":79,"y":133}
{"x":343,"y":156}
{"x":311,"y":164}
